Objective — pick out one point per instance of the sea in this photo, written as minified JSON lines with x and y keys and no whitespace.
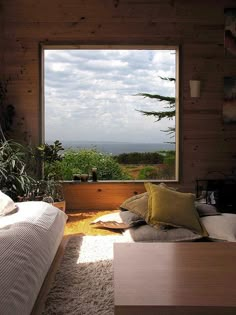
{"x":116,"y":148}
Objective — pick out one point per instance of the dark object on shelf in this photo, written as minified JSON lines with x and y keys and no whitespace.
{"x":76,"y":177}
{"x":218,"y":192}
{"x":94,"y":174}
{"x":84,"y":177}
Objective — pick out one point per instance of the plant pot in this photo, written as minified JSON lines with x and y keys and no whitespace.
{"x":84,"y":177}
{"x":76,"y":177}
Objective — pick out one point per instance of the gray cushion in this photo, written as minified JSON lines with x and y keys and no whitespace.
{"x":204,"y":209}
{"x":221,"y":227}
{"x":137,"y":204}
{"x":131,"y":218}
{"x":146,"y":233}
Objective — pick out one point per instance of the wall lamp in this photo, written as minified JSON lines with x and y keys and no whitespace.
{"x":195,"y":88}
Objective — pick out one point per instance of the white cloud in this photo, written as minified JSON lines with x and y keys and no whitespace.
{"x":91,"y":94}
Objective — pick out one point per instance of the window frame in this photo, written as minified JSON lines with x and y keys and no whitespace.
{"x":53,"y":46}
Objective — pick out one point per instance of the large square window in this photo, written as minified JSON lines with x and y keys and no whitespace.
{"x":114,"y":109}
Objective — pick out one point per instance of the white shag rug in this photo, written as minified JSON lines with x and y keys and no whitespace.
{"x":83,"y":284}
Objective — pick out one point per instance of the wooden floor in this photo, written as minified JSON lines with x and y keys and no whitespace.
{"x":79,"y":223}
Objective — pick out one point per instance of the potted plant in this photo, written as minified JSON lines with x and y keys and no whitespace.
{"x":14,"y":180}
{"x":50,"y":188}
{"x":18,"y":184}
{"x":48,"y":155}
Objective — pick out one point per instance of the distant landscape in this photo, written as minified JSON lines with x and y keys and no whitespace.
{"x":117,"y":160}
{"x":116,"y":148}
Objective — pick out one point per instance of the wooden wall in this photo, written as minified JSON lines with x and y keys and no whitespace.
{"x":99,"y":195}
{"x":207,"y":146}
{"x":1,"y":39}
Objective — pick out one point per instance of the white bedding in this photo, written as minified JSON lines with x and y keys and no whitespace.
{"x":29,"y":240}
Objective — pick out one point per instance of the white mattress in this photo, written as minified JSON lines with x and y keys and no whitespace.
{"x":29,"y":240}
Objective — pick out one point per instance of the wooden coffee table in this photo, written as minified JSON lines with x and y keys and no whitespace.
{"x":175,"y":278}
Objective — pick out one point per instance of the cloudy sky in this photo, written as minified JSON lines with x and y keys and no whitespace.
{"x":90,"y":95}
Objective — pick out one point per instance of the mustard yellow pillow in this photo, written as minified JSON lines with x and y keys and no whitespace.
{"x":149,"y":191}
{"x":148,"y":185}
{"x":169,"y":207}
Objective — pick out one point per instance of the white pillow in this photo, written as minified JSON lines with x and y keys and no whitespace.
{"x":115,"y":216}
{"x":7,"y":205}
{"x":221,"y":227}
{"x":126,"y":217}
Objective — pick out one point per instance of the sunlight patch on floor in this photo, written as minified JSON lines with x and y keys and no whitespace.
{"x":79,"y":223}
{"x":97,"y":248}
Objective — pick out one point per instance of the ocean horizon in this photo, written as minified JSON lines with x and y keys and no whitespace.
{"x":116,"y":148}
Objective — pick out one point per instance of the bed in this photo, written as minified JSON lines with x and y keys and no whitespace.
{"x":30,"y":237}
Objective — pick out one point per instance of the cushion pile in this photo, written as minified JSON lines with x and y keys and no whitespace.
{"x":166,"y":215}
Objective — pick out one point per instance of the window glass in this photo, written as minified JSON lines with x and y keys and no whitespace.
{"x":113,"y":110}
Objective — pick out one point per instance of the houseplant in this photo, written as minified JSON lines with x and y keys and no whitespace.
{"x":45,"y":190}
{"x":7,"y":111}
{"x":17,"y":172}
{"x":50,"y":188}
{"x":14,"y":180}
{"x":49,"y":155}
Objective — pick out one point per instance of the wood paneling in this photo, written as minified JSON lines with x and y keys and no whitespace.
{"x":197,"y":26}
{"x":1,"y":39}
{"x":100,"y":195}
